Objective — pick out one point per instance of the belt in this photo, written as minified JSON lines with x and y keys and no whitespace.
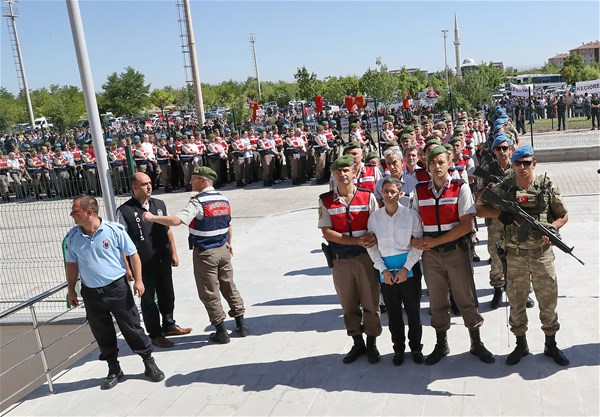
{"x":346,"y":256}
{"x":527,"y":252}
{"x":447,"y":248}
{"x":107,"y":288}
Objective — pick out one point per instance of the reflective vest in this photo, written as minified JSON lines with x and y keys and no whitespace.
{"x":366,"y":179}
{"x":422,"y":175}
{"x":212,"y":230}
{"x":439,"y":215}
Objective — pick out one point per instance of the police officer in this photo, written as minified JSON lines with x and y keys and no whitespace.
{"x":529,"y":256}
{"x":208,"y":215}
{"x":156,"y":247}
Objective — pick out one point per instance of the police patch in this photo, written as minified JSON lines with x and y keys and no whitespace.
{"x":105,"y":244}
{"x":159,"y":212}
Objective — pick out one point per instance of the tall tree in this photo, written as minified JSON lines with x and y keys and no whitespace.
{"x":379,"y":83}
{"x":308,"y":84}
{"x":126,"y":93}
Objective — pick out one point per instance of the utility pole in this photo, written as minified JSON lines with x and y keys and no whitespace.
{"x":194,"y":63}
{"x":445,"y":35}
{"x":11,"y":14}
{"x":253,"y":43}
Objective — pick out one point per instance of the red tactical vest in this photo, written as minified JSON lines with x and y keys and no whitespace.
{"x":366,"y":179}
{"x":422,"y":175}
{"x":439,"y":215}
{"x":350,"y":220}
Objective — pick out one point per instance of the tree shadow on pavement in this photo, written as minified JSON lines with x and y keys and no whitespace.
{"x":308,"y":300}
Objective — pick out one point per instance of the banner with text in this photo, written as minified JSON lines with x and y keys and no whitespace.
{"x":590,"y":87}
{"x":521,"y":90}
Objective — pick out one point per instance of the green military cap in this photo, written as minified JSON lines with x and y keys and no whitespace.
{"x":435,"y":152}
{"x":448,"y":146}
{"x":455,"y":139}
{"x":351,"y":145}
{"x":409,"y":129}
{"x":470,"y":119}
{"x":390,"y":144}
{"x":391,"y":118}
{"x":211,"y":136}
{"x":371,"y":155}
{"x":235,"y":132}
{"x":417,"y":126}
{"x":299,"y":124}
{"x":459,"y":128}
{"x":47,"y":145}
{"x":72,"y":142}
{"x":416,"y":118}
{"x":405,"y":136}
{"x":430,"y":142}
{"x":205,"y":172}
{"x":342,"y":161}
{"x":320,"y":128}
{"x":325,"y":123}
{"x":353,"y":125}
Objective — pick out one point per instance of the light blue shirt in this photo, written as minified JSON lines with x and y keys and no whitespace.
{"x":99,"y":257}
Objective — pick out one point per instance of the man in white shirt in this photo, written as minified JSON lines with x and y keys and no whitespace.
{"x":393,"y":256}
{"x":393,"y":162}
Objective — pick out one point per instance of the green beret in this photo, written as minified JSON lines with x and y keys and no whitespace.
{"x":353,"y":125}
{"x":137,"y":140}
{"x":351,"y":145}
{"x":448,"y":146}
{"x":416,"y":118}
{"x":47,"y":144}
{"x":211,"y":136}
{"x":455,"y":139}
{"x":430,"y":142}
{"x":459,"y":128}
{"x":390,"y":144}
{"x":391,"y":118}
{"x":235,"y":132}
{"x":72,"y":142}
{"x":371,"y":155}
{"x":205,"y":172}
{"x":470,"y":119}
{"x":320,"y":128}
{"x":409,"y":129}
{"x":435,"y":152}
{"x":325,"y":123}
{"x":405,"y":136}
{"x":299,"y":124}
{"x":342,"y":161}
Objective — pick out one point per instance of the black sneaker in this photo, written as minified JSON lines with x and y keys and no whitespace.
{"x":112,"y":380}
{"x":418,"y":357}
{"x":152,"y":371}
{"x":398,"y":359}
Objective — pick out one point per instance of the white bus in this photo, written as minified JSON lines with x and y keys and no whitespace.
{"x":540,"y":81}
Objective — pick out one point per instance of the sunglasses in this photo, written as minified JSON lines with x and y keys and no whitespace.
{"x":525,"y":164}
{"x":502,"y":148}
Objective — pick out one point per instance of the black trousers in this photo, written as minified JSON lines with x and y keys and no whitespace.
{"x":408,"y":294}
{"x":119,"y":302}
{"x":159,"y":298}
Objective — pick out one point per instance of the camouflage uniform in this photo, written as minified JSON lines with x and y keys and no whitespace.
{"x":529,"y":258}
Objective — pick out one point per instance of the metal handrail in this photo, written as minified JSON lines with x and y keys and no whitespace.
{"x":33,"y":300}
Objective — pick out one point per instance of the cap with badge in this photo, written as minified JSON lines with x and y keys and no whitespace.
{"x":342,"y":161}
{"x":205,"y":172}
{"x":371,"y":155}
{"x":430,"y":142}
{"x":435,"y":152}
{"x":522,"y":152}
{"x":351,"y":145}
{"x":454,"y":139}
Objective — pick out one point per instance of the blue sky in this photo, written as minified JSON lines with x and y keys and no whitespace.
{"x":330,"y":38}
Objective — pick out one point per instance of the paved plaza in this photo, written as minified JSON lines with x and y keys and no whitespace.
{"x":290,"y":364}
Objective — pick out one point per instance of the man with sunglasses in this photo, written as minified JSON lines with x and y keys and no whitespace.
{"x":529,"y":256}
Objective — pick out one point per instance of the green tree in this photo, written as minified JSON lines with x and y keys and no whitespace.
{"x":308,"y":84}
{"x":334,"y":89}
{"x":126,"y":93}
{"x":9,"y":110}
{"x":161,"y":99}
{"x":65,"y":107}
{"x":379,"y":83}
{"x":576,"y":70}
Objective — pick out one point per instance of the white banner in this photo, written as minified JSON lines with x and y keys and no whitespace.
{"x":520,"y":90}
{"x":590,"y":87}
{"x":345,"y":125}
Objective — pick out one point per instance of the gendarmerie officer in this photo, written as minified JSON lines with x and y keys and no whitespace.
{"x":156,"y":247}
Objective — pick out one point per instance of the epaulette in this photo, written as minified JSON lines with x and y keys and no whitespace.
{"x":326,"y":194}
{"x":363,"y":189}
{"x":457,"y":180}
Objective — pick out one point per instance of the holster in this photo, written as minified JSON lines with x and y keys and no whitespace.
{"x":328,"y":254}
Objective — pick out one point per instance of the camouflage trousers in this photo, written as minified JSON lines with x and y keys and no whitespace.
{"x":539,"y":271}
{"x":494,"y":230}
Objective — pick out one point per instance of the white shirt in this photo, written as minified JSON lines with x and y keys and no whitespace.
{"x":147,"y":147}
{"x":393,"y":235}
{"x":408,"y":187}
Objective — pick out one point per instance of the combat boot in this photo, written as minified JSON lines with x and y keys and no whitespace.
{"x":439,"y":351}
{"x":151,"y":369}
{"x":115,"y":374}
{"x":241,"y":327}
{"x":551,"y":350}
{"x":357,"y":350}
{"x":220,"y":336}
{"x":520,"y":350}
{"x":497,"y":298}
{"x":372,"y":353}
{"x":478,"y":349}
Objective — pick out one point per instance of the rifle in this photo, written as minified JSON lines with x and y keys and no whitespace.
{"x":526,"y":221}
{"x":482,"y":173}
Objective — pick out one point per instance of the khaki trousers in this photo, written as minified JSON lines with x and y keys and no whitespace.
{"x":214,"y":276}
{"x":494,"y":229}
{"x":357,"y":285}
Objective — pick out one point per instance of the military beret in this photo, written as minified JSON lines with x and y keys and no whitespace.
{"x":470,"y":119}
{"x":500,"y":138}
{"x":72,"y":142}
{"x":203,"y":132}
{"x":405,"y":136}
{"x":351,"y":145}
{"x":409,"y":129}
{"x":454,"y":139}
{"x":235,"y":132}
{"x":136,"y":137}
{"x":371,"y":155}
{"x":26,"y":146}
{"x":299,"y":124}
{"x":108,"y":141}
{"x":57,"y":148}
{"x":364,"y":122}
{"x":187,"y":133}
{"x":47,"y":144}
{"x":284,"y":127}
{"x":227,"y":129}
{"x":430,"y":142}
{"x":353,"y":125}
{"x":448,"y":146}
{"x":88,"y":141}
{"x":163,"y":136}
{"x":459,"y":128}
{"x":205,"y":172}
{"x":390,"y":144}
{"x":320,"y":128}
{"x":342,"y":161}
{"x":211,"y":136}
{"x":332,"y":122}
{"x":400,"y":117}
{"x":324,"y":123}
{"x":57,"y":145}
{"x":522,"y":152}
{"x":435,"y":152}
{"x":415,"y":118}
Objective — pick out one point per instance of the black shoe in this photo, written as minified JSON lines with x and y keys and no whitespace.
{"x":417,"y":357}
{"x":398,"y":359}
{"x":241,"y":327}
{"x":520,"y":350}
{"x":478,"y":349}
{"x":476,"y":257}
{"x":220,"y":336}
{"x":372,"y":353}
{"x":497,"y":298}
{"x":530,"y":302}
{"x":439,"y":351}
{"x":112,"y":379}
{"x":551,"y":350}
{"x":357,"y":350}
{"x":152,"y":371}
{"x":382,"y":308}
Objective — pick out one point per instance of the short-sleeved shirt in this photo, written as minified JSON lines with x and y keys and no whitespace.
{"x":99,"y":257}
{"x":325,"y":217}
{"x":193,"y":209}
{"x":466,"y":205}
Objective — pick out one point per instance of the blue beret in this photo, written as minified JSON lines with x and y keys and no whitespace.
{"x":187,"y":133}
{"x":227,"y":129}
{"x":163,"y":136}
{"x":285,"y":127}
{"x":500,"y":110}
{"x":109,"y":140}
{"x":522,"y":152}
{"x":203,"y":132}
{"x":57,"y":145}
{"x":26,"y":145}
{"x":136,"y":137}
{"x":332,"y":122}
{"x":499,"y":138}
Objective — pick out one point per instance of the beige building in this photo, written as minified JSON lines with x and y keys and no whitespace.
{"x":590,"y":51}
{"x":558,"y":60}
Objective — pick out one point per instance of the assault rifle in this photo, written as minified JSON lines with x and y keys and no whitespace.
{"x":482,"y":173}
{"x":526,"y":221}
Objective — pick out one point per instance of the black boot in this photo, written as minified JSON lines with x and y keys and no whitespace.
{"x":439,"y":351}
{"x":221,"y":335}
{"x":550,"y":349}
{"x":520,"y":350}
{"x":372,"y":353}
{"x":478,"y":349}
{"x":151,"y":370}
{"x":497,"y":298}
{"x":114,"y":375}
{"x":241,"y":328}
{"x":530,"y":303}
{"x":358,"y":349}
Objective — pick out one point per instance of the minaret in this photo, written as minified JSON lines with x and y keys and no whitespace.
{"x":457,"y":45}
